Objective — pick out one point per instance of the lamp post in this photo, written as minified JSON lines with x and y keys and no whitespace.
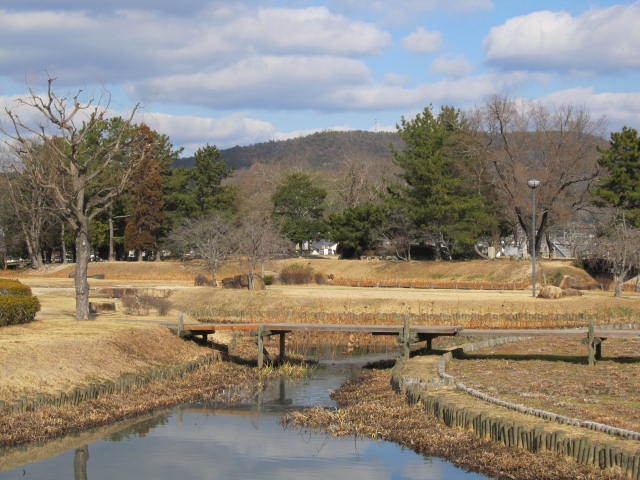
{"x":533,"y":185}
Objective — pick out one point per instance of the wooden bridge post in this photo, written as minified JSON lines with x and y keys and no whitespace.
{"x":591,"y":343}
{"x":406,"y":336}
{"x":260,"y":347}
{"x":282,"y":353}
{"x":180,"y":324}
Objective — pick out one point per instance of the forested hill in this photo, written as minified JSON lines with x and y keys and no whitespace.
{"x":323,"y":150}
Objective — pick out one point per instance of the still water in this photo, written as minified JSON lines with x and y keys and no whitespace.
{"x":205,"y":441}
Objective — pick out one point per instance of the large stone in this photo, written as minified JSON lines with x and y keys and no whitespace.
{"x":549,"y":291}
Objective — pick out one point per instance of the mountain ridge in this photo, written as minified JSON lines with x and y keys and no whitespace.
{"x":322,"y":150}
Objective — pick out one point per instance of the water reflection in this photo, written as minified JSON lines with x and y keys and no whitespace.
{"x":197,"y":442}
{"x":247,"y":442}
{"x":80,"y":463}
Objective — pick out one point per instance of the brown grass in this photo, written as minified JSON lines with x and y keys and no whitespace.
{"x":217,"y":381}
{"x":372,"y":271}
{"x":382,"y":414}
{"x":551,"y":374}
{"x":57,"y":352}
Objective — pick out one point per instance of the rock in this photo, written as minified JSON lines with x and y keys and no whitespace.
{"x":549,"y":291}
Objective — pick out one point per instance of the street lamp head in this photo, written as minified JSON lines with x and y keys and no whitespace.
{"x":533,"y":183}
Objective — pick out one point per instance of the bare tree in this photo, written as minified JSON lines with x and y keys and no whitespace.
{"x":210,"y":238}
{"x":84,"y":172}
{"x":259,"y":240}
{"x":28,"y":199}
{"x":614,"y":245}
{"x":557,"y":146}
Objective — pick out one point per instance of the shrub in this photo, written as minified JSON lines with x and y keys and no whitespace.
{"x":268,"y":279}
{"x":202,"y":281}
{"x":162,"y":305}
{"x":14,"y":287}
{"x":296,"y":274}
{"x":141,"y":304}
{"x":16,"y":309}
{"x":320,"y":278}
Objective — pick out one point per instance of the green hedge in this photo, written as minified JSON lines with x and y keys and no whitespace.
{"x":17,"y":305}
{"x":14,"y":287}
{"x":15,"y":309}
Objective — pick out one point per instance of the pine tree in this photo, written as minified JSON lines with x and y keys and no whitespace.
{"x":439,"y":196}
{"x":209,"y":172}
{"x":299,"y":206}
{"x":620,"y":187}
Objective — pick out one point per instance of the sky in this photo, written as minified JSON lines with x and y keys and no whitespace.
{"x":236,"y":73}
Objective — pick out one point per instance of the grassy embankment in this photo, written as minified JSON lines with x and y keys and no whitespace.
{"x":336,"y":304}
{"x":58,"y":354}
{"x":550,"y":374}
{"x":385,"y":415}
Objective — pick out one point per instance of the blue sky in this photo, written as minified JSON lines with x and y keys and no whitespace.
{"x":241,"y":72}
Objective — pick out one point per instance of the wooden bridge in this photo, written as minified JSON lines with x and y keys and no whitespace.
{"x":407,"y":334}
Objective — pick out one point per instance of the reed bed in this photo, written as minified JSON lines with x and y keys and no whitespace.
{"x":502,"y":320}
{"x":430,"y":283}
{"x":333,"y":344}
{"x":383,"y":414}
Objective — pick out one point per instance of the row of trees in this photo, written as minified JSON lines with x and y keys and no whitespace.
{"x":78,"y":176}
{"x":461,"y":178}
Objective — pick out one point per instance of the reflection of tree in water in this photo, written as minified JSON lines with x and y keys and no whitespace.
{"x":139,"y":429}
{"x":80,"y":463}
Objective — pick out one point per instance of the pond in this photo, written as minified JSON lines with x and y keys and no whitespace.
{"x":241,"y":442}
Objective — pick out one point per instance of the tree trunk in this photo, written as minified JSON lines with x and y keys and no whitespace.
{"x":83,"y":253}
{"x":618,"y":281}
{"x":33,"y":252}
{"x":139,"y":255}
{"x":214,"y":282}
{"x":157,"y":256}
{"x":550,"y":246}
{"x":112,"y":253}
{"x":63,"y":244}
{"x":525,"y":223}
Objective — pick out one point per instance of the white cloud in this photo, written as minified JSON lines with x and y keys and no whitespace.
{"x":602,"y":39}
{"x":423,"y":41}
{"x":192,"y":132}
{"x":619,"y":108}
{"x":260,"y":82}
{"x":452,"y":66}
{"x":396,"y":79}
{"x":320,"y":83}
{"x":81,"y":46}
{"x":456,"y":91}
{"x":401,"y":10}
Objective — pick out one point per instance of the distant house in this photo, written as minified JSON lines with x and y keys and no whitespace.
{"x":320,"y":247}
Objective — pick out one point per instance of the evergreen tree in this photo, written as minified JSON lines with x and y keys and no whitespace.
{"x":357,"y":228}
{"x":145,"y":195}
{"x":208,"y":174}
{"x":439,"y":196}
{"x":299,"y":206}
{"x":620,"y":187}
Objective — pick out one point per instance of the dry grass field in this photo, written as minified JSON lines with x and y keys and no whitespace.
{"x":57,"y":352}
{"x":552,"y":374}
{"x":482,"y":270}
